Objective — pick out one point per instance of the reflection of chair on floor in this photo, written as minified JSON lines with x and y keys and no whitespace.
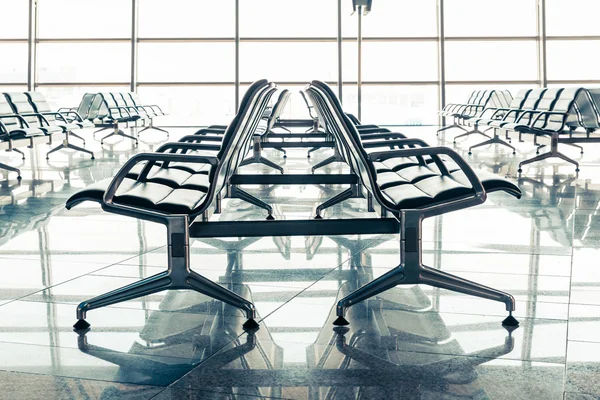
{"x":189,"y":330}
{"x":406,"y":354}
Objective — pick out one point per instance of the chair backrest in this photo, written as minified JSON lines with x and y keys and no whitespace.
{"x":534,"y":97}
{"x":508,"y":97}
{"x":237,"y":137}
{"x":472,"y":96}
{"x":97,"y":108}
{"x":544,"y":102}
{"x":20,"y":105}
{"x":6,"y":109}
{"x":519,"y":99}
{"x":85,"y":104}
{"x":40,"y":105}
{"x":563,"y":104}
{"x":111,"y":105}
{"x":346,"y":133}
{"x":308,"y":105}
{"x":278,"y":108}
{"x":587,"y":113}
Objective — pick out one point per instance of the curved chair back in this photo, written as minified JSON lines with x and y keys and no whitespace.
{"x":20,"y":104}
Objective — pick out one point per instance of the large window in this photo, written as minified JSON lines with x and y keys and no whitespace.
{"x":489,"y":44}
{"x":571,"y":46}
{"x":76,"y":54}
{"x":184,"y":51}
{"x":186,"y":60}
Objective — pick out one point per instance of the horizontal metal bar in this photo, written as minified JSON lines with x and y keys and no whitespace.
{"x":573,"y":81}
{"x":294,"y":179}
{"x":15,"y":40}
{"x":492,"y":82}
{"x":295,"y":145}
{"x":586,"y":37}
{"x":83,"y":40}
{"x":278,"y":135}
{"x":12,"y":84}
{"x":82,"y":84}
{"x":489,"y":38}
{"x":312,"y":227}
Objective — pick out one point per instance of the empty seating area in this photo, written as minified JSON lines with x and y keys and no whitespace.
{"x":307,"y":200}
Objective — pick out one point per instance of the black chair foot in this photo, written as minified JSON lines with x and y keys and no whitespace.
{"x":270,"y":217}
{"x":576,"y":169}
{"x":19,"y":177}
{"x":318,"y":217}
{"x":519,"y":170}
{"x":510,"y":321}
{"x":81,"y":324}
{"x":250,"y":325}
{"x":514,"y":153}
{"x":470,"y":153}
{"x":341,"y":321}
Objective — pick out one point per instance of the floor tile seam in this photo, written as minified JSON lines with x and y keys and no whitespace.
{"x":260,"y":321}
{"x":72,"y":279}
{"x":77,"y":348}
{"x":238,"y":396}
{"x":84,"y":379}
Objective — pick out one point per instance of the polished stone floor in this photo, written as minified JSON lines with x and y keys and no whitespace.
{"x":411,"y":342}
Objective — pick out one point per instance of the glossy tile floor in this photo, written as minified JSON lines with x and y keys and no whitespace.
{"x":411,"y":342}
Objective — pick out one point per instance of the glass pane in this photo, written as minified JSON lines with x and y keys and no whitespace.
{"x":15,"y":19}
{"x":349,"y":20}
{"x":192,"y":105}
{"x":461,"y":93}
{"x":399,"y":61}
{"x":572,"y":18}
{"x":66,"y":62}
{"x":292,"y":62}
{"x":201,"y":18}
{"x":401,"y":18}
{"x":349,"y":61}
{"x":13,"y":67}
{"x":84,"y":19}
{"x":476,"y":60}
{"x":490,"y":17}
{"x":70,"y":96}
{"x":400,"y":104}
{"x":563,"y":64}
{"x":277,"y":18}
{"x":186,"y":62}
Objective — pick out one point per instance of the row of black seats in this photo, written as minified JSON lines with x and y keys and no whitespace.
{"x":26,"y":119}
{"x":107,"y":110}
{"x":555,"y":113}
{"x":181,"y":184}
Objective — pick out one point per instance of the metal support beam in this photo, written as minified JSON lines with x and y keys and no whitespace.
{"x":237,"y":55}
{"x":294,"y":179}
{"x":441,"y":59}
{"x":302,"y":227}
{"x":359,"y":71}
{"x":339,"y":51}
{"x":134,"y":45}
{"x":541,"y":43}
{"x":32,"y":46}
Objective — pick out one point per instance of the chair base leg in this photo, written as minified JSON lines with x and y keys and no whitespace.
{"x":119,"y":132}
{"x":454,"y":125}
{"x":66,"y":145}
{"x":495,"y":139}
{"x":327,"y":161}
{"x":177,"y":276}
{"x":12,"y":169}
{"x":469,"y":133}
{"x":248,"y":198}
{"x":261,"y":160}
{"x":20,"y":152}
{"x":412,"y":271}
{"x":77,"y":136}
{"x":552,"y":153}
{"x":345,"y":195}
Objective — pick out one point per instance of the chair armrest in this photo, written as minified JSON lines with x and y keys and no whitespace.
{"x":542,"y":113}
{"x":108,"y":203}
{"x":383,"y":135}
{"x":397,"y":142}
{"x":204,"y":131}
{"x":22,"y":120}
{"x":200,"y":138}
{"x":186,"y":146}
{"x":434,"y":153}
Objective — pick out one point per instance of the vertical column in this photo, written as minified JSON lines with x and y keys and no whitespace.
{"x":541,"y":43}
{"x":441,"y":59}
{"x":134,"y":46}
{"x":359,"y":75}
{"x":339,"y":50}
{"x":32,"y":45}
{"x":237,"y":55}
